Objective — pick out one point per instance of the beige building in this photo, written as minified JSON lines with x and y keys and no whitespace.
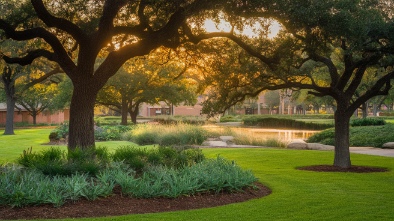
{"x":147,"y":110}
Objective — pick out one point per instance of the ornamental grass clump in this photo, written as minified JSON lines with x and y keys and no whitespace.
{"x":166,"y":135}
{"x":21,"y":187}
{"x":138,"y":159}
{"x":213,"y":175}
{"x":54,"y":161}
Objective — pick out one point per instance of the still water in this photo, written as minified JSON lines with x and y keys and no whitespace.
{"x":285,"y":135}
{"x":280,"y":134}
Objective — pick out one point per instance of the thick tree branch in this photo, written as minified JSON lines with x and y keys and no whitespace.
{"x":356,"y":80}
{"x":332,"y":69}
{"x":106,"y":26}
{"x":61,"y":54}
{"x":381,"y":87}
{"x":60,"y":23}
{"x":30,"y":57}
{"x":270,"y":62}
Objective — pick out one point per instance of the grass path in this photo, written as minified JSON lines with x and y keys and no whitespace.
{"x":297,"y":195}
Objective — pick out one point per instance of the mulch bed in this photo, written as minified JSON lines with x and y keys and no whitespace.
{"x":352,"y":169}
{"x":117,"y":204}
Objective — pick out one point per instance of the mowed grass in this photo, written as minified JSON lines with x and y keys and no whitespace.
{"x":12,"y":146}
{"x":297,"y":195}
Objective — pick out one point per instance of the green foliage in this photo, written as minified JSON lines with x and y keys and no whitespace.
{"x":270,"y":122}
{"x":367,"y":122}
{"x":106,"y":133}
{"x":61,"y":131}
{"x":323,"y":137}
{"x":169,"y":173}
{"x":31,"y":187}
{"x":54,"y":161}
{"x":209,"y":175}
{"x":230,"y":118}
{"x":180,"y":120}
{"x":362,"y":136}
{"x":139,"y":159}
{"x":166,"y":135}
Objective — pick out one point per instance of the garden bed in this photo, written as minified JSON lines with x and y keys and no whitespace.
{"x":116,"y":205}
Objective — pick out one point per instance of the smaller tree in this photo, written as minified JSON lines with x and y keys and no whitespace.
{"x":37,"y":99}
{"x":146,"y":82}
{"x":272,"y":99}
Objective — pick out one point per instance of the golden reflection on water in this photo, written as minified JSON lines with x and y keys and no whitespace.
{"x":284,"y":135}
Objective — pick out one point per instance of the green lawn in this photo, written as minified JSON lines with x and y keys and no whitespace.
{"x":297,"y":195}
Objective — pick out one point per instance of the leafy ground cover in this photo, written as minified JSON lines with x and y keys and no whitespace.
{"x":361,"y":136}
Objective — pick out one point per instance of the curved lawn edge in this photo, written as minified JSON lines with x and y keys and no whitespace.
{"x":117,"y":205}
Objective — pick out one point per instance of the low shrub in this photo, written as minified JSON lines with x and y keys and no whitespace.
{"x":60,"y":132}
{"x":367,"y":122}
{"x":139,"y":159}
{"x":230,"y":118}
{"x":362,"y":136}
{"x":270,"y":122}
{"x":209,"y":175}
{"x":54,"y":161}
{"x":31,"y":187}
{"x":106,"y":133}
{"x":180,"y":120}
{"x":324,"y":137}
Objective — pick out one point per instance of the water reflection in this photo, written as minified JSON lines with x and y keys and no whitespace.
{"x":284,"y":135}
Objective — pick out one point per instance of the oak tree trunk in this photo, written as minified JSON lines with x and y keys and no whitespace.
{"x":81,"y":127}
{"x":9,"y":124}
{"x":364,"y":108}
{"x":342,"y":153}
{"x":133,"y":115}
{"x":34,"y":118}
{"x":123,"y":111}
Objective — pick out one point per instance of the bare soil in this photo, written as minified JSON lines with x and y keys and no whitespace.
{"x":117,"y":204}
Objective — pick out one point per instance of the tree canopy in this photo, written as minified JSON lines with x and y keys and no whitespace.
{"x":147,"y":81}
{"x":77,"y":33}
{"x":327,"y":47}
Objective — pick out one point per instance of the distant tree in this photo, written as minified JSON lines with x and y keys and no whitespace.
{"x":272,"y":99}
{"x":37,"y":99}
{"x":11,"y":76}
{"x":145,"y":82}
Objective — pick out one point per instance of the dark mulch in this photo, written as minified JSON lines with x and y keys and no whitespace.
{"x":352,"y":169}
{"x":116,"y":205}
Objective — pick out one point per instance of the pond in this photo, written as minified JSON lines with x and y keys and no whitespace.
{"x":280,"y":134}
{"x":285,"y":135}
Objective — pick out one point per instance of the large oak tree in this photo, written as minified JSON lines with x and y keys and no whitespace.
{"x":327,"y":47}
{"x":78,"y":32}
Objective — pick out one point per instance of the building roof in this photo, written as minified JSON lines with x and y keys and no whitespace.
{"x":3,"y":107}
